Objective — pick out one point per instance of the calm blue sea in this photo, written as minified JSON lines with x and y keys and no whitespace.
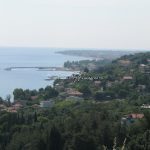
{"x":29,"y":57}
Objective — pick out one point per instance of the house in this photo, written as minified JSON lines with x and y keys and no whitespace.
{"x":17,"y":106}
{"x":73,"y":92}
{"x":143,"y":65}
{"x":11,"y":110}
{"x":127,"y":78}
{"x":34,"y":97}
{"x":136,"y":116}
{"x":143,"y":68}
{"x":2,"y":106}
{"x":129,"y":119}
{"x":145,"y":106}
{"x":109,"y":84}
{"x":47,"y":104}
{"x":91,"y":66}
{"x":125,"y":62}
{"x":59,"y":87}
{"x":35,"y":106}
{"x":148,"y":60}
{"x":97,"y":83}
{"x":22,"y":102}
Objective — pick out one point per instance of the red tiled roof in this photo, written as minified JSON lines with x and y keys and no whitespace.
{"x":74,"y":92}
{"x":136,"y":116}
{"x":34,"y":97}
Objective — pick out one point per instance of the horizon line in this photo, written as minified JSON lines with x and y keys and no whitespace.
{"x":107,"y":49}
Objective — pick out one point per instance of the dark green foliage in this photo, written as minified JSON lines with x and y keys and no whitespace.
{"x":89,"y":124}
{"x":48,"y":92}
{"x":54,"y":140}
{"x":86,"y":70}
{"x":86,"y":65}
{"x":103,"y":96}
{"x":85,"y":90}
{"x":82,"y":126}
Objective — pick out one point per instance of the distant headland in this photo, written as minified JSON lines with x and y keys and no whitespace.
{"x":97,"y":54}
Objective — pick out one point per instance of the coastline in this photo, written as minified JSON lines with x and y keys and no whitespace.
{"x":29,"y":70}
{"x":96,"y":54}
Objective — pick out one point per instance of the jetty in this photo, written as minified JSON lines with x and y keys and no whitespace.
{"x":40,"y":68}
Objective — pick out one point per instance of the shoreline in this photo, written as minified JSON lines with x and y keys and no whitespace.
{"x":96,"y":54}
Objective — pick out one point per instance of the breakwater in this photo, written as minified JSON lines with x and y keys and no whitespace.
{"x":40,"y":68}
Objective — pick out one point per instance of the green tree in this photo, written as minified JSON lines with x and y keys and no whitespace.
{"x":54,"y":141}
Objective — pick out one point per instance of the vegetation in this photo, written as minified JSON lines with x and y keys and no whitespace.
{"x":47,"y":93}
{"x":85,"y":65}
{"x":100,"y":54}
{"x":111,"y":93}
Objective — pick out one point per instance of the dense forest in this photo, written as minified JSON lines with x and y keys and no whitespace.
{"x":106,"y":107}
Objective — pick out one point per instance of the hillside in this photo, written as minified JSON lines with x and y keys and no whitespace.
{"x":108,"y":81}
{"x":97,"y":54}
{"x":107,"y":107}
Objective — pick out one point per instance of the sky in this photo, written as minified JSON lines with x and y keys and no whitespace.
{"x":109,"y":24}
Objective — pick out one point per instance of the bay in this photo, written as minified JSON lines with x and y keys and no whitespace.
{"x":30,"y":78}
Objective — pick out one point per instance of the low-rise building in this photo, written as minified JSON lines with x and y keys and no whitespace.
{"x":136,"y":116}
{"x":59,"y":87}
{"x":73,"y":92}
{"x":144,"y":68}
{"x":146,"y":106}
{"x":11,"y":110}
{"x":17,"y":106}
{"x":97,"y":83}
{"x":125,"y":62}
{"x":35,"y":106}
{"x":34,"y":97}
{"x":47,"y":103}
{"x":148,"y":60}
{"x":127,"y":78}
{"x":109,"y":84}
{"x":128,"y":119}
{"x":92,"y":66}
{"x":2,"y":106}
{"x":74,"y":98}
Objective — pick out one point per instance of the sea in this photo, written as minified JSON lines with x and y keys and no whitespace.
{"x":30,"y":78}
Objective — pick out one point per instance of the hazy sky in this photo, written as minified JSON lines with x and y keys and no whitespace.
{"x":75,"y":23}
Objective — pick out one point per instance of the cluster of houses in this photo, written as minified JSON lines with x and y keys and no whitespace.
{"x":12,"y":109}
{"x":144,"y":68}
{"x":98,"y":83}
{"x":16,"y":106}
{"x":73,"y":94}
{"x":124,"y":62}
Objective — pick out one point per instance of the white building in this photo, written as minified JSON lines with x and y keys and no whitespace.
{"x":147,"y":106}
{"x":46,"y":104}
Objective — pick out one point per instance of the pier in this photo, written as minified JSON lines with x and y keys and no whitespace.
{"x":40,"y":68}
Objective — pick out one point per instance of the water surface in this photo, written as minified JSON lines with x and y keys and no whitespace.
{"x":29,"y":57}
